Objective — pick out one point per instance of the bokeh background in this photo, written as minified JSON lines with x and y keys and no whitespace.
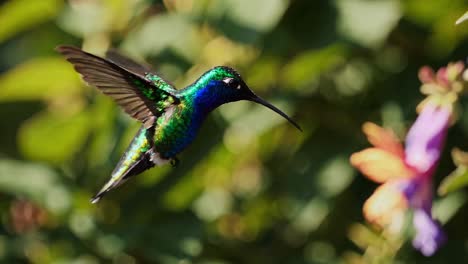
{"x":251,"y":188}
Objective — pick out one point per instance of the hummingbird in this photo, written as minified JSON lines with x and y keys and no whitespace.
{"x":170,"y":118}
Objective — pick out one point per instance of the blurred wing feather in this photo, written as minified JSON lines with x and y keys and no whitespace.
{"x":126,"y":84}
{"x":128,"y":64}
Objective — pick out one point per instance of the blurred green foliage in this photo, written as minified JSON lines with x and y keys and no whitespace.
{"x":251,"y":189}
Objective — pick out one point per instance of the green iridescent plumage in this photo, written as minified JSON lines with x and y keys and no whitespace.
{"x":133,"y":161}
{"x":170,"y":117}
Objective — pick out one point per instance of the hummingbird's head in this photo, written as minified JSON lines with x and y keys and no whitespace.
{"x":227,"y":85}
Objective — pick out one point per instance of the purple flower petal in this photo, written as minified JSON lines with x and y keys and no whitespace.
{"x":429,"y":235}
{"x":409,"y":188}
{"x":418,"y":192}
{"x":426,"y":137}
{"x":424,"y":144}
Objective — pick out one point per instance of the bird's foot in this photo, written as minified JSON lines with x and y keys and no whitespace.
{"x":175,"y":162}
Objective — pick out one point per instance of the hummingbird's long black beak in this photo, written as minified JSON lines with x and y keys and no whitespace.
{"x":259,"y":100}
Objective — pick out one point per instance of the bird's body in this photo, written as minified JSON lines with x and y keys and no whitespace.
{"x":171,"y":118}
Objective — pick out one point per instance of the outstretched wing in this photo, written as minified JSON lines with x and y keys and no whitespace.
{"x":128,"y":64}
{"x":126,"y":83}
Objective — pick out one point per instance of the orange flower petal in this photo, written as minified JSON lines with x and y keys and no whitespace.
{"x":383,"y":138}
{"x":380,"y":165}
{"x":385,"y":206}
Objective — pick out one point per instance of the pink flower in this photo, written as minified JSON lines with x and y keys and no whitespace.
{"x":406,"y":174}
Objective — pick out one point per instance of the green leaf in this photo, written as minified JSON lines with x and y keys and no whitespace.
{"x":40,"y":78}
{"x":261,"y":15}
{"x":444,"y":209}
{"x":456,"y":180}
{"x":460,"y":158}
{"x":263,"y":73}
{"x":368,"y":22}
{"x":103,"y":138}
{"x":90,"y":18}
{"x":306,"y":67}
{"x":53,"y":137}
{"x":19,"y":15}
{"x":85,"y":18}
{"x":35,"y":181}
{"x":334,"y":176}
{"x":30,"y":179}
{"x":159,"y":33}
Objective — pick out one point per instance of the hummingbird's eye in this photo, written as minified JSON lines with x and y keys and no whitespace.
{"x":233,"y":83}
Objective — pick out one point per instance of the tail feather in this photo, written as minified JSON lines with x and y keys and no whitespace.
{"x":135,"y":160}
{"x":119,"y":176}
